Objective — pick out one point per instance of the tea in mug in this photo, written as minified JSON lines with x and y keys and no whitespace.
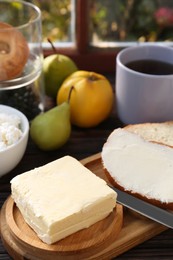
{"x":153,"y":67}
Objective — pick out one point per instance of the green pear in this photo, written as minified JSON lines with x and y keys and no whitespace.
{"x":56,"y":68}
{"x":52,"y":129}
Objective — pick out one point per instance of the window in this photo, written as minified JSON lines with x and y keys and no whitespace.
{"x":121,"y":23}
{"x":93,"y":31}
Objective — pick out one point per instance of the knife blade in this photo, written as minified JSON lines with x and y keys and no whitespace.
{"x":155,"y":213}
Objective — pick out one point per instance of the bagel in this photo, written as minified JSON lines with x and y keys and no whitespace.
{"x":14,"y":52}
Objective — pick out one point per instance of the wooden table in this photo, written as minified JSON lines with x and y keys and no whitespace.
{"x":83,"y":143}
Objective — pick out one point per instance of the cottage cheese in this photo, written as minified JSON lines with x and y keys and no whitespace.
{"x":10,"y":131}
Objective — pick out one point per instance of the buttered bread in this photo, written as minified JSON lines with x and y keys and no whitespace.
{"x":140,"y":167}
{"x":61,"y":198}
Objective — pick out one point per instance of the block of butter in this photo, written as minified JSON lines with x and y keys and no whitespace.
{"x":61,"y":198}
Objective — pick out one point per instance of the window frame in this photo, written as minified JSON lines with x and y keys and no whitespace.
{"x":87,"y":57}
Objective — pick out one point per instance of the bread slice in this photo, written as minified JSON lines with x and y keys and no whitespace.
{"x":154,"y":132}
{"x":140,"y":167}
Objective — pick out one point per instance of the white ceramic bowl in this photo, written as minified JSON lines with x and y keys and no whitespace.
{"x":11,"y":156}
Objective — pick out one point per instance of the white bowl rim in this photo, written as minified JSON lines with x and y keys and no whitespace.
{"x":24,"y":121}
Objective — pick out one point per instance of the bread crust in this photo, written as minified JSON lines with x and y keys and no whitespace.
{"x":137,"y":128}
{"x":132,"y":128}
{"x":152,"y":201}
{"x":169,"y":123}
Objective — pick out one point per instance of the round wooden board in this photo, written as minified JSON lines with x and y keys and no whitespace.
{"x":21,"y":241}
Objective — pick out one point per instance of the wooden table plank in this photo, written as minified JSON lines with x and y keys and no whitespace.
{"x":83,"y":143}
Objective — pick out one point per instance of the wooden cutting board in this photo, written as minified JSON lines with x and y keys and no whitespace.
{"x":106,"y":239}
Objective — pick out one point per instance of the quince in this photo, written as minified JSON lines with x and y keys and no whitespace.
{"x":91,"y":99}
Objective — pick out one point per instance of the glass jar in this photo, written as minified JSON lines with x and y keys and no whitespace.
{"x":21,"y":41}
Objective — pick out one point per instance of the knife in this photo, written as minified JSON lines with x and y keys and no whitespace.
{"x":148,"y":210}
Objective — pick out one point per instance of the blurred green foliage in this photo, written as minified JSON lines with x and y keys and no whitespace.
{"x":131,"y":20}
{"x":56,"y":19}
{"x":111,"y":20}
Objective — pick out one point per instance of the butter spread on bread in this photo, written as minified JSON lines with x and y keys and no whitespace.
{"x":139,"y":166}
{"x":61,"y":198}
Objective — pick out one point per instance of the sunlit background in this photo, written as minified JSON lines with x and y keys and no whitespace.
{"x":109,"y":21}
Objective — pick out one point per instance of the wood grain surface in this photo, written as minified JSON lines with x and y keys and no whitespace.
{"x":103,"y":240}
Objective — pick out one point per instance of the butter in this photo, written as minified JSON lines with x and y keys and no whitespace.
{"x":61,"y":198}
{"x":139,"y":166}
